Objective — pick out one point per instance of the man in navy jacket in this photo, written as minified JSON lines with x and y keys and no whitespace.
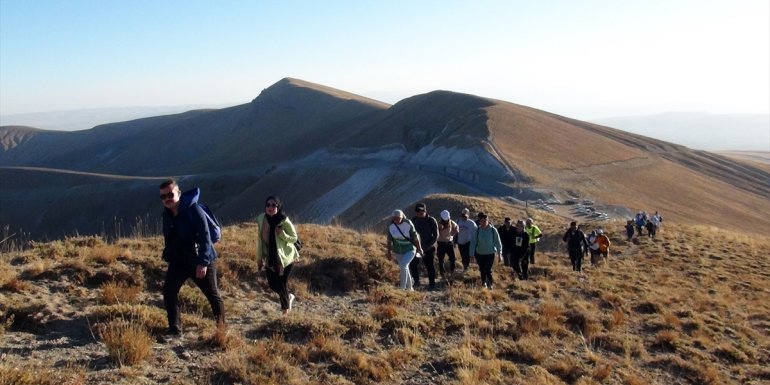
{"x":189,"y":252}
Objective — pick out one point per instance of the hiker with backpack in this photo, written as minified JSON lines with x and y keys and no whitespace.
{"x":427,"y":228}
{"x":640,"y":221}
{"x":603,"y":243}
{"x":276,"y":249}
{"x":447,"y":232}
{"x":577,"y":245}
{"x":188,"y":248}
{"x":485,"y":244}
{"x":520,"y":251}
{"x":466,"y":228}
{"x":657,"y":221}
{"x":403,"y":246}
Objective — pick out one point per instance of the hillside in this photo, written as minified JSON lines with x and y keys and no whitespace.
{"x":689,"y":307}
{"x":336,"y":157}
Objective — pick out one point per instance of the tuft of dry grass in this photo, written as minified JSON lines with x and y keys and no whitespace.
{"x":127,"y":343}
{"x":36,"y":374}
{"x":567,"y":368}
{"x":119,"y":292}
{"x":224,"y":338}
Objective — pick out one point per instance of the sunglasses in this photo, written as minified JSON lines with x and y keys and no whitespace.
{"x":165,"y":196}
{"x":271,"y":205}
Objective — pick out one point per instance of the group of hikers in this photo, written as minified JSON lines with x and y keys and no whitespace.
{"x":416,"y":242}
{"x":413,"y":244}
{"x":643,"y":221}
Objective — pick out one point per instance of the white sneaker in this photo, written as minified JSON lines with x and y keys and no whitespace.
{"x":291,"y":300}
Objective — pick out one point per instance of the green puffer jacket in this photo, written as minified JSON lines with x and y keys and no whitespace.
{"x":287,"y":253}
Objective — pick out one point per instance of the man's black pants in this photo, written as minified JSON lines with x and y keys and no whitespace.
{"x":576,"y":257}
{"x":448,"y":249}
{"x":465,"y":254}
{"x":531,"y":252}
{"x":176,"y":275}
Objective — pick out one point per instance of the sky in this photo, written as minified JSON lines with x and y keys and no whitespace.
{"x":583,"y":59}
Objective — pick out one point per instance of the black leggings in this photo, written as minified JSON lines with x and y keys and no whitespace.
{"x":280,"y":284}
{"x":485,"y":261}
{"x":176,"y":275}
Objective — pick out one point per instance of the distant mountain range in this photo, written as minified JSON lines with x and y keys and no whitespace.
{"x":73,"y":120}
{"x":700,"y":130}
{"x":337,"y":157}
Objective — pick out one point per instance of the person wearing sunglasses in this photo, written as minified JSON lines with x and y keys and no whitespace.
{"x":189,"y":251}
{"x":276,"y":251}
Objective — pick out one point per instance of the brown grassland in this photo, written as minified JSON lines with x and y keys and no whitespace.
{"x":688,"y":307}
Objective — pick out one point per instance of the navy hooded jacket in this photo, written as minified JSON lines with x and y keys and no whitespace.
{"x":186,"y":236}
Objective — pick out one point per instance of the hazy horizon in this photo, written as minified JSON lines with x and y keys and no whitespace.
{"x":584,"y":60}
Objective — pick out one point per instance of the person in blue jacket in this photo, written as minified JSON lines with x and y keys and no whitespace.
{"x":189,"y":251}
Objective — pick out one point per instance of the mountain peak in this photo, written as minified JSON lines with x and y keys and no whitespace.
{"x":290,"y":86}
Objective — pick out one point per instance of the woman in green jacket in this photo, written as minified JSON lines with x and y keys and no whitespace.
{"x":275,"y":249}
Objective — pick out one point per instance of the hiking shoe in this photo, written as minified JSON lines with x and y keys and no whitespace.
{"x":291,"y":300}
{"x":169,"y":336}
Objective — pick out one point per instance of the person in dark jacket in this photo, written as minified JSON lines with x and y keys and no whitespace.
{"x":189,"y":252}
{"x":577,"y":245}
{"x":427,"y":228}
{"x":520,"y":251}
{"x":507,"y":238}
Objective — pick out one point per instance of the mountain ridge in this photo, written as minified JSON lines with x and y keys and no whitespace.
{"x":340,"y":157}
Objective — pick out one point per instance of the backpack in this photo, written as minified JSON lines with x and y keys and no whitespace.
{"x":215,"y":228}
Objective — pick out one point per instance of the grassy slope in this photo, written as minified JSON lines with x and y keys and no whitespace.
{"x":687,"y":308}
{"x":592,"y":164}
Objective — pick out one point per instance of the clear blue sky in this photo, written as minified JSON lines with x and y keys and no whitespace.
{"x":584,"y":59}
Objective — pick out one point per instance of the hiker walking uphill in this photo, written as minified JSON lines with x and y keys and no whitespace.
{"x":576,"y":245}
{"x":427,"y":228}
{"x":466,"y":228}
{"x":403,"y":245}
{"x":507,"y":238}
{"x":189,"y":251}
{"x":520,"y":251}
{"x":485,"y":244}
{"x":447,"y":231}
{"x":603,"y":246}
{"x":534,"y":237}
{"x":276,"y":252}
{"x":629,"y":229}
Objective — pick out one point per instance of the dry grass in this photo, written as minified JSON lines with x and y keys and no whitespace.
{"x":127,"y":343}
{"x":116,"y":293}
{"x":36,"y":374}
{"x":687,"y":308}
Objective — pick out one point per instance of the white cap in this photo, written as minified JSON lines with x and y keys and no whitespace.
{"x":398,"y":213}
{"x":466,"y":212}
{"x":445,"y":215}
